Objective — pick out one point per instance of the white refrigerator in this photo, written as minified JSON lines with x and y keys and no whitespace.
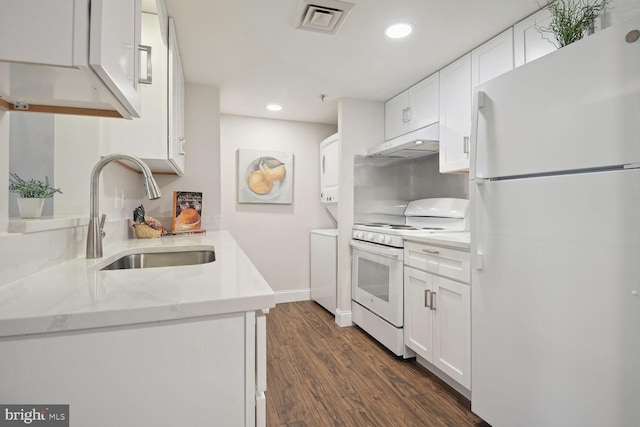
{"x":555,"y":199}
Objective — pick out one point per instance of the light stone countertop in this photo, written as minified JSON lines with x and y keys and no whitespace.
{"x":77,"y":295}
{"x":456,"y":240}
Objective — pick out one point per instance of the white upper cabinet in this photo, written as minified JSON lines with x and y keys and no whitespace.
{"x":528,"y":42}
{"x":413,"y":109}
{"x":455,"y":115}
{"x":492,"y":58}
{"x":158,"y":136}
{"x":79,"y":55}
{"x":177,"y":139}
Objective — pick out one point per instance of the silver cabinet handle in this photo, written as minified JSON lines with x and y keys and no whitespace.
{"x":181,"y":141}
{"x":409,"y":114}
{"x":433,"y":301}
{"x":465,"y":148}
{"x":149,"y":77}
{"x":431,"y":251}
{"x":427,"y":293}
{"x":404,"y":115}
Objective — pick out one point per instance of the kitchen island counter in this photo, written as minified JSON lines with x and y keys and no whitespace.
{"x":78,"y":295}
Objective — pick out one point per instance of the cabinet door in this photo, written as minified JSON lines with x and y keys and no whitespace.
{"x":417,"y":316}
{"x":455,"y":115}
{"x":451,"y":307}
{"x":46,"y":37}
{"x":113,"y":54}
{"x":145,"y":137}
{"x":324,"y":270}
{"x":493,"y":58}
{"x":395,"y":118}
{"x":424,"y":100}
{"x":528,"y":42}
{"x":177,"y":139}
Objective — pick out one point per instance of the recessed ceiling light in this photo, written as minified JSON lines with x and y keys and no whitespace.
{"x":398,"y":31}
{"x":274,"y":107}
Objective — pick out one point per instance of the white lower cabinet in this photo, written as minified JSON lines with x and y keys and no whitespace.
{"x":206,"y":371}
{"x":437,"y":310}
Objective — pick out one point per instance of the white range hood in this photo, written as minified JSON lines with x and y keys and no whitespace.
{"x":421,"y":142}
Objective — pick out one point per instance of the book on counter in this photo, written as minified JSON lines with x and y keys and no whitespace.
{"x":187,"y":212}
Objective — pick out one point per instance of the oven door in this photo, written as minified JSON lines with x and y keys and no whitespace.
{"x":377,"y":280}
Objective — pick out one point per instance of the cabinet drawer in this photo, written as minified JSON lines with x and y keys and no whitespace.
{"x":436,"y":259}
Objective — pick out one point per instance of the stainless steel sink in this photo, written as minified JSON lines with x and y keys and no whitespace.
{"x":162,"y":259}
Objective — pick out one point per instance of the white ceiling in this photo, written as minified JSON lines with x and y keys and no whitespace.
{"x":251,"y":50}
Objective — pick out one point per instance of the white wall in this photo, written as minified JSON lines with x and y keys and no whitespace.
{"x":77,"y":150}
{"x":4,"y":171}
{"x":276,"y":237}
{"x":361,"y":125}
{"x":202,"y":169}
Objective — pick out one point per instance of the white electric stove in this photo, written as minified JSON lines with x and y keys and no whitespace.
{"x":422,"y":216}
{"x":377,"y":277}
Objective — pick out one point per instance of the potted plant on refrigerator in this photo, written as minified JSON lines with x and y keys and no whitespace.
{"x":572,"y":19}
{"x":32,"y":194}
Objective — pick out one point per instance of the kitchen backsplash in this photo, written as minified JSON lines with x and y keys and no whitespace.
{"x":383,"y":186}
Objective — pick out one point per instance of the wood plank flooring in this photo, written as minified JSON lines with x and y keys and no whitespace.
{"x":319,"y":374}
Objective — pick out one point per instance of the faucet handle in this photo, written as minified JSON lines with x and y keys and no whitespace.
{"x":103,"y":218}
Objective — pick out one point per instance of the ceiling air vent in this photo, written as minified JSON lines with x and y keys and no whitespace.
{"x":323,"y":16}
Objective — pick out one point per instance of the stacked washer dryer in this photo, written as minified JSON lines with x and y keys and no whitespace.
{"x":324,"y":242}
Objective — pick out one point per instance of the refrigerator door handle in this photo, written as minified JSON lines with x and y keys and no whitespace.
{"x":478,"y":103}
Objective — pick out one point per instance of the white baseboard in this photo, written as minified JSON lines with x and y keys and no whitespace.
{"x":293,"y":295}
{"x":343,"y":318}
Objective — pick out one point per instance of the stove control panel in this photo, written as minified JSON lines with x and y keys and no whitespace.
{"x":379,"y":238}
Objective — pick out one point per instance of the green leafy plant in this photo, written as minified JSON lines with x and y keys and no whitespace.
{"x":32,"y":189}
{"x":571,"y":19}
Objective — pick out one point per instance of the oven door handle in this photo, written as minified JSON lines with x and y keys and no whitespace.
{"x":395,"y":253}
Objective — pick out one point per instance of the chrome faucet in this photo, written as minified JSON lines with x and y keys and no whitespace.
{"x":96,"y":228}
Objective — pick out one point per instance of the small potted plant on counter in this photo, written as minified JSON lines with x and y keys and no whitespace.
{"x":572,"y":19}
{"x":32,"y":194}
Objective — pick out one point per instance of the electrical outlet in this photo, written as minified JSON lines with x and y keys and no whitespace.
{"x":119,"y":198}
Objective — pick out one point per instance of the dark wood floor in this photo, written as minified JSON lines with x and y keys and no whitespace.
{"x":319,"y":374}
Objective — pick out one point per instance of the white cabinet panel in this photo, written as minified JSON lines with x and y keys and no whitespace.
{"x":493,"y":58}
{"x":324,"y":272}
{"x":452,"y":329}
{"x":424,"y":99}
{"x":413,"y":109}
{"x":395,"y":115}
{"x":437,"y":316}
{"x":455,"y":115}
{"x":28,"y":43}
{"x":158,"y":136}
{"x":418,"y":323}
{"x":162,"y":374}
{"x":528,"y":42}
{"x":79,"y":55}
{"x":113,"y":52}
{"x":435,"y":259}
{"x":177,"y":138}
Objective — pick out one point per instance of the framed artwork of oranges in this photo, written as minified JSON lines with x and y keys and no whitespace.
{"x":265,"y":176}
